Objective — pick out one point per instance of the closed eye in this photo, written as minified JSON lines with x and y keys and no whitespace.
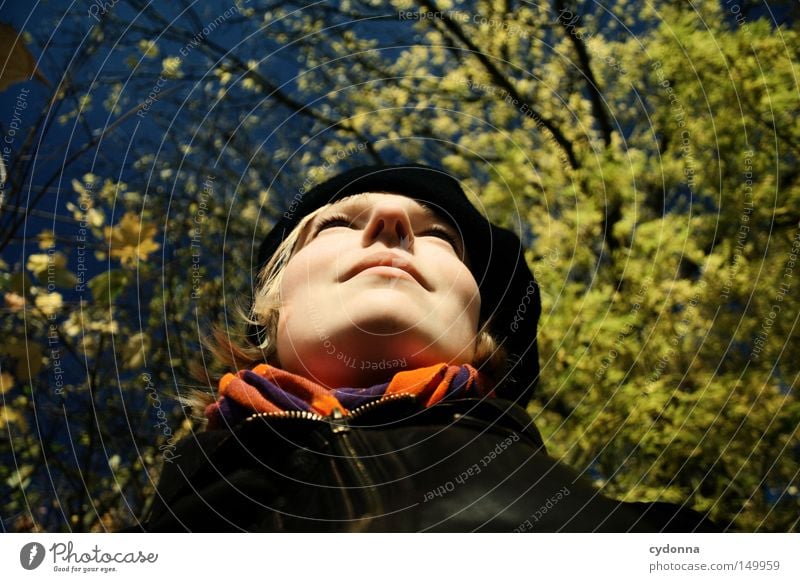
{"x":444,"y":234}
{"x":334,"y":221}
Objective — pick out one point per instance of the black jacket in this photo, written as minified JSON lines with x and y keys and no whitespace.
{"x":465,"y":465}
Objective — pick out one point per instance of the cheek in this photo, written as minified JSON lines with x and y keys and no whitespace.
{"x":298,"y":308}
{"x":472,"y":299}
{"x":305,"y":270}
{"x":307,"y":288}
{"x":291,"y":285}
{"x":463,"y":299}
{"x":294,"y":293}
{"x":463,"y":285}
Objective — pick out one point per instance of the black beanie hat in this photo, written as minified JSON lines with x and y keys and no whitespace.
{"x":509,"y":292}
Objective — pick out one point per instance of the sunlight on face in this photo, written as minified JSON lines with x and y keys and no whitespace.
{"x":377,"y":284}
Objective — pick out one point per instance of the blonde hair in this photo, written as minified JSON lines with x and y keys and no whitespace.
{"x":230,"y":354}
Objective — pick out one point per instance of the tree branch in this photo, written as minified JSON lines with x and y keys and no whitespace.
{"x":501,"y":81}
{"x":598,"y":107}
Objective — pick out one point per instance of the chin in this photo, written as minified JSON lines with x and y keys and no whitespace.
{"x":385,"y":317}
{"x":414,"y":349}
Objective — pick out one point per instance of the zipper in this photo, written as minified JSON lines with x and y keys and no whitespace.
{"x":313,"y":416}
{"x":359,"y":410}
{"x":342,"y":442}
{"x":295,"y":414}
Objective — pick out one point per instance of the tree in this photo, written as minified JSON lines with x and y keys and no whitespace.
{"x":647,"y":158}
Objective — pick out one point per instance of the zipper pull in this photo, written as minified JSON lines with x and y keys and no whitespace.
{"x":339,"y":422}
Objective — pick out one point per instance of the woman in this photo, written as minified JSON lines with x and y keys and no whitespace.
{"x":394,"y":349}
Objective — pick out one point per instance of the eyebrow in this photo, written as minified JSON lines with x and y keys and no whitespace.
{"x":431,"y":213}
{"x":338,"y":205}
{"x":438,"y":216}
{"x":355,"y":200}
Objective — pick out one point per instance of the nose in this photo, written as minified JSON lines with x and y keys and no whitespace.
{"x":390,"y":223}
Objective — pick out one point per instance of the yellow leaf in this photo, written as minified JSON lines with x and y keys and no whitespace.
{"x":14,"y":302}
{"x":81,"y":189}
{"x":47,"y":239}
{"x":149,"y":48}
{"x":10,"y":416}
{"x":130,"y":240}
{"x":51,"y":267}
{"x":224,"y":76}
{"x":95,"y":217}
{"x":19,"y":62}
{"x":138,"y":344}
{"x":171,"y":67}
{"x":21,"y":477}
{"x":50,"y":304}
{"x":6,"y":382}
{"x":37,"y":264}
{"x":249,"y":84}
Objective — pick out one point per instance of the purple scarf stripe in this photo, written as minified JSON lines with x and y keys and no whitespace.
{"x":354,"y":397}
{"x":459,"y":383}
{"x":275,"y":393}
{"x":232,"y":412}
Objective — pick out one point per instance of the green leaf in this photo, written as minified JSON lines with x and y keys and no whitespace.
{"x":19,"y":283}
{"x":107,"y":286}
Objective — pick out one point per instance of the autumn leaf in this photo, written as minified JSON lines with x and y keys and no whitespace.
{"x":9,"y":416}
{"x":14,"y":302}
{"x":136,"y":350}
{"x":130,"y":240}
{"x":86,"y":209}
{"x":6,"y":382}
{"x":171,"y":68}
{"x":28,"y":355}
{"x":37,"y":263}
{"x":47,"y":239}
{"x":19,"y":62}
{"x":149,"y":48}
{"x":50,"y":303}
{"x":22,"y":476}
{"x":51,"y":268}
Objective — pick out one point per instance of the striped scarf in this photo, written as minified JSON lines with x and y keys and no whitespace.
{"x":269,"y":389}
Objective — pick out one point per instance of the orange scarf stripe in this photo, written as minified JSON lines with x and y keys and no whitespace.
{"x":420,"y":382}
{"x":430,"y":385}
{"x":239,"y":391}
{"x":441,"y":390}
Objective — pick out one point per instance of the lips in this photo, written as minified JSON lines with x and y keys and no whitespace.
{"x":386,"y":260}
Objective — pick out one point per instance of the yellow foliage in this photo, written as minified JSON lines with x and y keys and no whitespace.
{"x":27,"y":354}
{"x":6,"y":382}
{"x":46,"y":239}
{"x":171,"y":68}
{"x":51,"y":268}
{"x":149,"y":48}
{"x":49,"y":303}
{"x":10,"y":416}
{"x":37,"y":264}
{"x":14,"y":302}
{"x":131,"y":241}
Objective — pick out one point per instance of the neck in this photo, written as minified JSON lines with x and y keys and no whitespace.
{"x":352,"y":371}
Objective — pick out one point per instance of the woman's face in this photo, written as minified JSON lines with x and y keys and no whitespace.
{"x":377,"y":284}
